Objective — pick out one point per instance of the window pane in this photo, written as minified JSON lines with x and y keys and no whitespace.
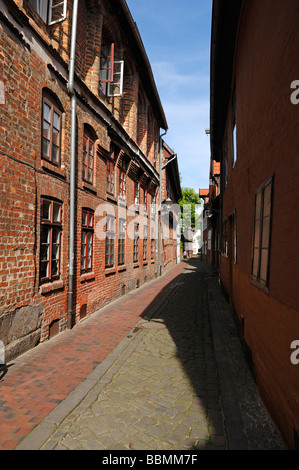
{"x":56,"y":212}
{"x":90,"y":220}
{"x":55,"y":268}
{"x":44,"y":269}
{"x":46,"y":130}
{"x":55,"y":252}
{"x":84,"y":220}
{"x":88,"y":266}
{"x":46,"y":210}
{"x":264,"y":265}
{"x":82,"y":263}
{"x":47,"y":112}
{"x":267,"y":200}
{"x":255,"y":262}
{"x":56,"y":120}
{"x":45,"y":147}
{"x":55,"y":153}
{"x":55,"y":136}
{"x":45,"y":235}
{"x":266,"y":232}
{"x":55,"y":236}
{"x":44,"y":252}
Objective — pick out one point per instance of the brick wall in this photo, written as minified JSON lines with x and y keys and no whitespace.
{"x":30,"y":310}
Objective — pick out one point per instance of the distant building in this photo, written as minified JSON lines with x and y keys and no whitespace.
{"x":254,"y":136}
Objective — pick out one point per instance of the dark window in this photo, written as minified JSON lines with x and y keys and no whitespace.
{"x":224,"y":238}
{"x":136,"y":243}
{"x":109,"y":243}
{"x":51,"y":137}
{"x":122,"y":183}
{"x":145,"y":242}
{"x":234,"y":130}
{"x":137,"y":193}
{"x":51,"y":229}
{"x":87,"y":240}
{"x":110,"y":176}
{"x":121,"y":241}
{"x":88,"y":158}
{"x":235,"y":238}
{"x":262,"y":231}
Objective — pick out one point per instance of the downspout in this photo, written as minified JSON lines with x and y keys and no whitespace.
{"x":158,"y":221}
{"x":72,"y":94}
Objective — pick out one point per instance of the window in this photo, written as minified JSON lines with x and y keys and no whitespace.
{"x":144,"y":200}
{"x":87,"y":240}
{"x":234,"y":130}
{"x":121,"y":241}
{"x":88,"y":158}
{"x":136,"y":243}
{"x":110,"y":176}
{"x":50,"y":11}
{"x":51,"y":136}
{"x":109,"y":245}
{"x":122,"y":183}
{"x":137,"y":193}
{"x":224,"y":238}
{"x":51,"y":229}
{"x":234,"y":221}
{"x":262,"y":231}
{"x":111,"y":72}
{"x":144,"y":242}
{"x":152,"y":243}
{"x":153,"y":205}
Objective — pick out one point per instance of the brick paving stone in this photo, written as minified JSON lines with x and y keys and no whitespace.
{"x":162,"y":390}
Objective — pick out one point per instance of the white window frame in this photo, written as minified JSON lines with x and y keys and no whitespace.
{"x":120,"y":81}
{"x":55,"y":4}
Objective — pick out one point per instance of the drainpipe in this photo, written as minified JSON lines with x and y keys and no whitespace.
{"x":72,"y":168}
{"x":158,"y":246}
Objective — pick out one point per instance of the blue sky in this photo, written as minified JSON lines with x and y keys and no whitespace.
{"x":177,"y":36}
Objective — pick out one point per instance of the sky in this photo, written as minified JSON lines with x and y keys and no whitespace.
{"x":176,"y":36}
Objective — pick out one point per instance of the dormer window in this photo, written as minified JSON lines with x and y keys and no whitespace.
{"x":111,"y":72}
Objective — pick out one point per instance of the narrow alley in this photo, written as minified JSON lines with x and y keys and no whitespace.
{"x":172,"y":376}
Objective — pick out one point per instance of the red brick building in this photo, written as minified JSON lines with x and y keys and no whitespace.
{"x":211,"y":217}
{"x":254,"y":134}
{"x":80,"y":144}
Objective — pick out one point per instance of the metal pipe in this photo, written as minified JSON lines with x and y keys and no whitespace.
{"x":157,"y":235}
{"x":70,"y":295}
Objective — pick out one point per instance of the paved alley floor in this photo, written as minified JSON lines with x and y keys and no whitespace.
{"x":171,"y":375}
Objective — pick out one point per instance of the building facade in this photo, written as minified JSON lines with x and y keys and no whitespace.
{"x":254,"y":135}
{"x":80,"y":143}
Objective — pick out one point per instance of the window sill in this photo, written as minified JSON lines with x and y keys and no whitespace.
{"x":51,"y":287}
{"x":53,"y":168}
{"x":136,"y":265}
{"x":145,"y":263}
{"x":89,"y":187}
{"x":109,"y":271}
{"x":87,"y":277}
{"x":111,"y":198}
{"x":260,"y":286}
{"x":122,"y":267}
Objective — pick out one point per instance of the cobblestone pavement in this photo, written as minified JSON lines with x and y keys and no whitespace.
{"x":177,"y":381}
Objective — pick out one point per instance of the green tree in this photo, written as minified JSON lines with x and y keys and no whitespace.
{"x":190,"y":198}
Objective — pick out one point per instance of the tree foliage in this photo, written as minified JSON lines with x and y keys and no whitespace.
{"x":190,"y":198}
